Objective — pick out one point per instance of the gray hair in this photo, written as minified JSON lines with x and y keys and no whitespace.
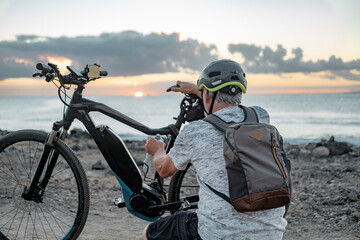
{"x":224,"y":98}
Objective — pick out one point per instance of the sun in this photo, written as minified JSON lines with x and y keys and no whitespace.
{"x":139,"y":94}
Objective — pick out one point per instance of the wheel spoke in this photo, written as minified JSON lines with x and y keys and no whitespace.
{"x":57,"y":220}
{"x":12,"y":220}
{"x":9,"y":170}
{"x":24,"y":166}
{"x":42,"y":211}
{"x":33,"y":223}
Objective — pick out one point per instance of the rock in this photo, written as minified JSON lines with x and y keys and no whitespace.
{"x":354,"y":154}
{"x":3,"y":132}
{"x":335,"y":148}
{"x":139,"y":162}
{"x":305,"y":152}
{"x":98,"y":166}
{"x":321,"y":152}
{"x":294,"y":152}
{"x":303,"y":196}
{"x":355,"y":216}
{"x":338,"y":148}
{"x":80,"y":134}
{"x":76,"y":147}
{"x":310,"y":146}
{"x":323,"y":142}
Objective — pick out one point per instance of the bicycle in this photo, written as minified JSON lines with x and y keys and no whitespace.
{"x":44,"y":192}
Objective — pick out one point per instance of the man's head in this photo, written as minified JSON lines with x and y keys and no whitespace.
{"x":224,"y":81}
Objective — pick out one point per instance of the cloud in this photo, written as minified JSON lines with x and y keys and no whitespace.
{"x":131,"y":53}
{"x":266,"y":60}
{"x":126,"y":53}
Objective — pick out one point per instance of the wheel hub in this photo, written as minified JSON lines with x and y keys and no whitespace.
{"x":20,"y":202}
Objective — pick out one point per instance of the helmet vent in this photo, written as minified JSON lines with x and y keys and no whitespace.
{"x":235,"y":77}
{"x":214,"y":73}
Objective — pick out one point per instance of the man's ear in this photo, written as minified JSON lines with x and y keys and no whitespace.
{"x":206,"y":96}
{"x":206,"y":100}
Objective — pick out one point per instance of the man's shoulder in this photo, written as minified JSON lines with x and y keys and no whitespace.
{"x":235,"y":113}
{"x":196,"y":127}
{"x":262,"y":114}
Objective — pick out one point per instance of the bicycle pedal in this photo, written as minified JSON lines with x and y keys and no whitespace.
{"x":119,"y":202}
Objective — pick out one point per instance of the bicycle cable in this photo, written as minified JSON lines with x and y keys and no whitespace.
{"x":62,"y":89}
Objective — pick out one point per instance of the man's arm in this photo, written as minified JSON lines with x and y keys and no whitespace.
{"x":162,"y":161}
{"x":186,"y":87}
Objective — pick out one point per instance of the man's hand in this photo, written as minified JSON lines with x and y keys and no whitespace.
{"x":186,"y":87}
{"x":162,"y":161}
{"x":152,"y":146}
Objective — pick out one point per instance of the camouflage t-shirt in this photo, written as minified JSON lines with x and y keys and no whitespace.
{"x":201,"y":144}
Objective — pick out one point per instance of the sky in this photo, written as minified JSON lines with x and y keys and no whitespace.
{"x":284,"y":46}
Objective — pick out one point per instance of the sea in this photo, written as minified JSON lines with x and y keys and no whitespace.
{"x":300,"y":118}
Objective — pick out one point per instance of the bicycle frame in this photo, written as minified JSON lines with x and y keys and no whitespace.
{"x":136,"y":193}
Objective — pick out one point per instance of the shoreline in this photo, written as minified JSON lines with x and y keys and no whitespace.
{"x":325,"y":194}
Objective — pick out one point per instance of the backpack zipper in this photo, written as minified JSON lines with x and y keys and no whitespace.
{"x":276,"y":158}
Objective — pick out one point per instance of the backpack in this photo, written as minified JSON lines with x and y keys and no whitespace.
{"x":256,"y":164}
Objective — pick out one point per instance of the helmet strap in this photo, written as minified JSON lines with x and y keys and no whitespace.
{"x":212,"y":103}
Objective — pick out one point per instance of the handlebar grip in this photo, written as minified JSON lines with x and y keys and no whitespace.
{"x":175,"y":86}
{"x":44,"y":68}
{"x":103,"y":73}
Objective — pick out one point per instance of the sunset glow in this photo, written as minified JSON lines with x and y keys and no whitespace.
{"x":62,"y":62}
{"x":138,"y":94}
{"x":286,"y":54}
{"x":153,"y":84}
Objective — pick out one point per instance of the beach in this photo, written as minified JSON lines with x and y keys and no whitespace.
{"x":325,"y":193}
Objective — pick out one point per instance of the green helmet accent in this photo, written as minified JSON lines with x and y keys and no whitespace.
{"x":222,"y":74}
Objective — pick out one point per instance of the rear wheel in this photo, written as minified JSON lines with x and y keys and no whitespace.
{"x":184,"y":185}
{"x":63,"y":209}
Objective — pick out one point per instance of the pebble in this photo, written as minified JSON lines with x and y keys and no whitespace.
{"x":98,"y":166}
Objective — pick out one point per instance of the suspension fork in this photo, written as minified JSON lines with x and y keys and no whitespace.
{"x":36,"y":189}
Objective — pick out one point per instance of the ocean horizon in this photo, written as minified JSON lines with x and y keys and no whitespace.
{"x":300,"y":118}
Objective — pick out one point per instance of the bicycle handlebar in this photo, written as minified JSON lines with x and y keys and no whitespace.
{"x":44,"y":68}
{"x":76,"y":77}
{"x":103,"y":73}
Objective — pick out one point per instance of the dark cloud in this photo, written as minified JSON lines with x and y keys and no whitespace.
{"x":121,"y":54}
{"x":265,"y":60}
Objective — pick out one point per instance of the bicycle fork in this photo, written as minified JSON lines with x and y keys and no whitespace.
{"x":36,"y":190}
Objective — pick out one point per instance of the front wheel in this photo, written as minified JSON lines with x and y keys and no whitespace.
{"x":62,"y":211}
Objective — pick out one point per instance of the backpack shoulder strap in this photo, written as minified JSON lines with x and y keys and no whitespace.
{"x":221,"y":125}
{"x":223,"y":196}
{"x":250,"y":114}
{"x":217,"y":122}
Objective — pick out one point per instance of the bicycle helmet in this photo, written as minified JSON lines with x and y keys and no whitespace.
{"x":224,"y":75}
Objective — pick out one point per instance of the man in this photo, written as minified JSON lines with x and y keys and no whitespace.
{"x":221,"y":84}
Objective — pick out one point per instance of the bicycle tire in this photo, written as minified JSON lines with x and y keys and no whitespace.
{"x":183,"y":184}
{"x":65,"y":205}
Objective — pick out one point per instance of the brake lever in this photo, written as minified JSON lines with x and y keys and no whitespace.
{"x":38,"y":74}
{"x":175,"y":86}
